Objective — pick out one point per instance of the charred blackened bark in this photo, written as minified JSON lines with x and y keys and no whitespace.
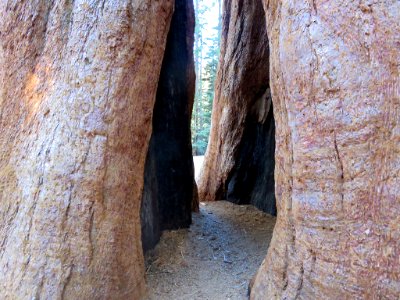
{"x":252,"y":178}
{"x":169,"y":176}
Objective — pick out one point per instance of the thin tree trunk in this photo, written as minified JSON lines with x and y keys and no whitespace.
{"x":198,"y":77}
{"x":200,"y":82}
{"x":219,"y":22}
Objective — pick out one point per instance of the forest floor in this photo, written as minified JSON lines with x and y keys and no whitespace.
{"x":215,"y":259}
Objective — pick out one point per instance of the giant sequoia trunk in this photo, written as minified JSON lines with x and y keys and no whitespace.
{"x":335,"y":87}
{"x":169,"y":176}
{"x":78,"y":82}
{"x":239,"y":163}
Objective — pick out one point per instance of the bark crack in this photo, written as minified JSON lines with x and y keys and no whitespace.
{"x":300,"y":282}
{"x":91,"y":234}
{"x":341,"y":171}
{"x":67,"y":281}
{"x":315,"y":8}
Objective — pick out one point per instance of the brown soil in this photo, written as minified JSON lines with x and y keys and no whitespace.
{"x":215,"y":259}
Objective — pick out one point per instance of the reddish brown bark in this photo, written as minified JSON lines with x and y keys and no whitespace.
{"x":335,"y":89}
{"x":78,"y":84}
{"x":239,"y":162}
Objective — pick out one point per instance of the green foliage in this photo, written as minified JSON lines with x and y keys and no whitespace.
{"x":206,"y":51}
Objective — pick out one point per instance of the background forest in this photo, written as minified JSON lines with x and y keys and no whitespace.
{"x":206,"y":52}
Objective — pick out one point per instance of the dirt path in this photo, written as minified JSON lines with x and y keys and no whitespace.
{"x":215,"y":259}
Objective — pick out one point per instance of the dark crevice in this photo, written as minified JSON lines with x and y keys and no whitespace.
{"x":252,"y":179}
{"x":169,"y":174}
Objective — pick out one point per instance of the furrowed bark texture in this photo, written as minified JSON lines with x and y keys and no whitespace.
{"x":78,"y":81}
{"x":335,"y":89}
{"x":239,"y":163}
{"x":169,"y":176}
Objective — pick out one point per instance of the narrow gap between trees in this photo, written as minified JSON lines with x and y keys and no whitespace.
{"x":212,"y":253}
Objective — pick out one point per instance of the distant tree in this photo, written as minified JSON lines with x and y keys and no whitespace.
{"x":206,"y":60}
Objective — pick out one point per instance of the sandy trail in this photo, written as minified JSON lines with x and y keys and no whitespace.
{"x":214,"y":259}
